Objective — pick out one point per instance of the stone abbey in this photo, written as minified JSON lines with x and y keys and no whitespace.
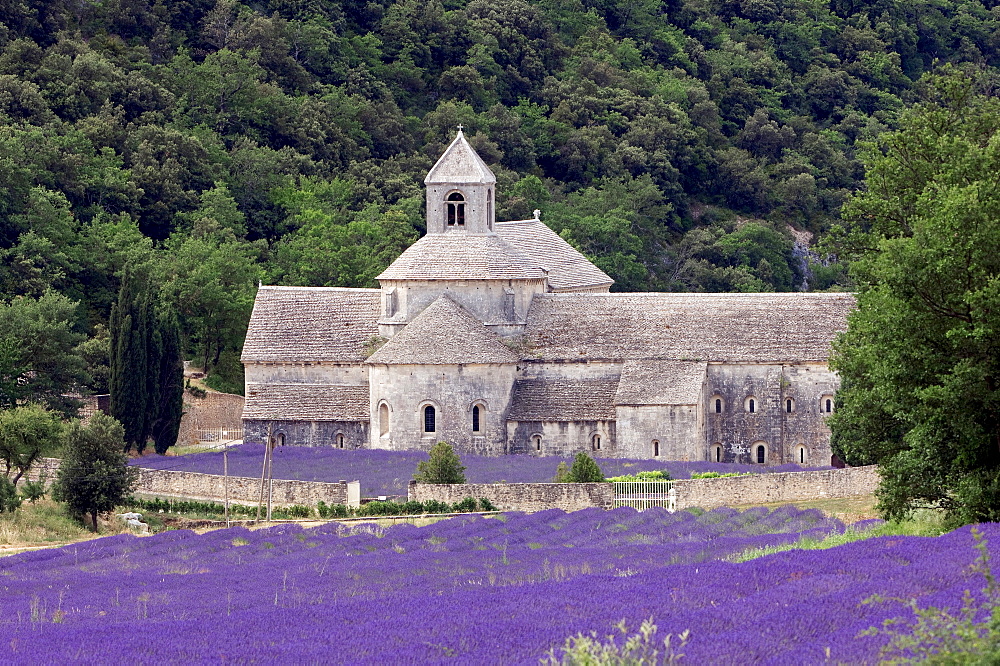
{"x":500,"y":338}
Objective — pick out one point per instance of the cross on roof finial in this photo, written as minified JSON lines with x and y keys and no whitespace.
{"x":460,"y":127}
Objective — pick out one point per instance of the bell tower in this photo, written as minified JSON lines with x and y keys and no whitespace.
{"x":461,"y":192}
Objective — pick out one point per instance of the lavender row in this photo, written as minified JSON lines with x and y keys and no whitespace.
{"x":389,"y":472}
{"x":476,"y":589}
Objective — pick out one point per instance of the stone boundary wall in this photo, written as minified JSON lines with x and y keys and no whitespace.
{"x":48,"y":466}
{"x":519,"y":496}
{"x":242,"y":490}
{"x":215,"y":410}
{"x":777,"y":487}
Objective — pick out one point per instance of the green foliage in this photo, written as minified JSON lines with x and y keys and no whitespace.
{"x":10,"y":501}
{"x":717,"y":475}
{"x":443,"y":466}
{"x":34,"y":490}
{"x":919,"y":358}
{"x":562,"y":473}
{"x":656,"y":475}
{"x":26,"y":434}
{"x":584,"y":470}
{"x":39,"y":359}
{"x":94,"y":475}
{"x":146,"y":372}
{"x":620,"y":648}
{"x":938,"y":636}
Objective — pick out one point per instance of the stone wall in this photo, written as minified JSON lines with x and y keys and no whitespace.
{"x":519,"y":496}
{"x":244,"y":490}
{"x":215,"y":410}
{"x":308,"y":433}
{"x":779,"y":487}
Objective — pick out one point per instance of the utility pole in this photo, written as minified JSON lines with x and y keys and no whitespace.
{"x":263,"y":471}
{"x":225,"y":476}
{"x":270,"y":480}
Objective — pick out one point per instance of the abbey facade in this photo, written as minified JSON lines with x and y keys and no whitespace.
{"x":500,"y":338}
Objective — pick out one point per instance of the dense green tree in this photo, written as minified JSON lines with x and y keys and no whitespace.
{"x":94,"y":476}
{"x":26,"y":434}
{"x":39,"y":358}
{"x":146,"y":370}
{"x":442,"y":466}
{"x":584,"y":470}
{"x":920,"y":361}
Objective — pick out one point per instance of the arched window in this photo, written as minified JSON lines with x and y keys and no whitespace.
{"x":718,"y":405}
{"x":656,"y":448}
{"x":280,"y":439}
{"x":456,"y":209}
{"x":716,"y":452}
{"x":751,"y":405}
{"x":475,"y":418}
{"x":340,"y":441}
{"x":383,"y":419}
{"x":430,"y":424}
{"x":829,"y":405}
{"x":801,"y":451}
{"x":789,"y":405}
{"x":595,"y":442}
{"x":537,"y":441}
{"x":761,"y":452}
{"x":489,"y":209}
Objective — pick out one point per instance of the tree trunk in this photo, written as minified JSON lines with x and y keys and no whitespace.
{"x":93,"y":516}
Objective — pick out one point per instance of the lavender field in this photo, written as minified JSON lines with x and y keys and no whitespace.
{"x":473,"y":590}
{"x":388,"y":472}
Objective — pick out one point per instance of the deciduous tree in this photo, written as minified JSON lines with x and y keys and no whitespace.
{"x":920,"y":361}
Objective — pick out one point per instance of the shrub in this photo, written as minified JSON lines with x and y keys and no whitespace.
{"x":9,"y":499}
{"x":716,"y":475}
{"x":412,"y":508}
{"x":322,"y":509}
{"x":486,"y":505}
{"x":647,"y":476}
{"x":562,"y":473}
{"x":467,"y":505}
{"x":381,"y":508}
{"x":434,"y":506}
{"x":443,"y":466}
{"x":638,"y":649}
{"x":585,"y":470}
{"x":34,"y":490}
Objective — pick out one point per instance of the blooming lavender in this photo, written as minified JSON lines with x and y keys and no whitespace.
{"x":388,"y":472}
{"x":474,"y":589}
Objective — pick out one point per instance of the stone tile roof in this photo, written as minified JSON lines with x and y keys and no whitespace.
{"x":307,"y":402}
{"x":751,"y":328}
{"x":460,"y":163}
{"x":652,"y":382}
{"x":462,"y":256}
{"x":444,"y":334}
{"x":563,"y":400}
{"x":568,"y":269}
{"x":311,"y":324}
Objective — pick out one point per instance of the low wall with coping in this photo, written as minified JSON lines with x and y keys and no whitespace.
{"x":777,"y":487}
{"x":244,"y":490}
{"x":519,"y":496}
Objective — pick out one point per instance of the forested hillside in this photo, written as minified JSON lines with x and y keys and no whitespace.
{"x":678,"y":143}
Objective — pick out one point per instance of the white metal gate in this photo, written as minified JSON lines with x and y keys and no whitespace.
{"x":645,"y":494}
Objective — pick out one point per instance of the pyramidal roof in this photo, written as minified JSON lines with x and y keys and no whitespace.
{"x":460,"y":164}
{"x":444,"y":334}
{"x":462,"y":257}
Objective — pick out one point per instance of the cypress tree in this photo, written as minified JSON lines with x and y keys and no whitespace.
{"x":168,"y":394}
{"x":128,"y":383}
